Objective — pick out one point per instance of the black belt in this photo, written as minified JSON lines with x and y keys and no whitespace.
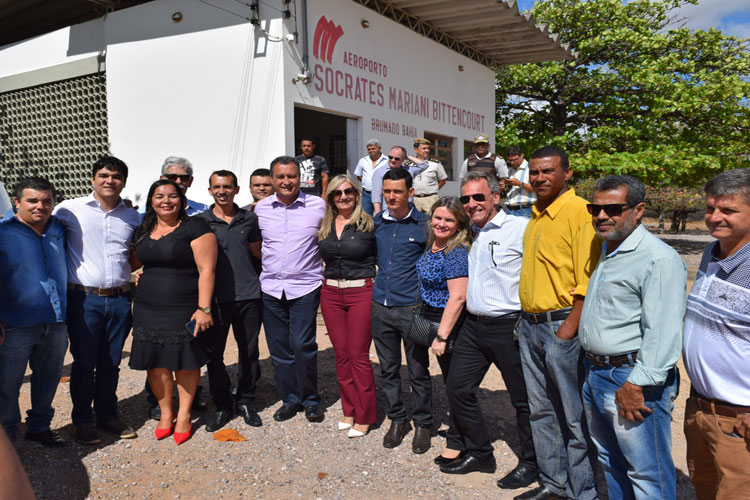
{"x":717,"y":406}
{"x":102,"y":292}
{"x":519,"y":207}
{"x":612,"y":361}
{"x":492,"y":320}
{"x":424,"y":195}
{"x":547,"y":316}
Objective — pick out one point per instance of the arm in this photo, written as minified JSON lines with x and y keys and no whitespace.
{"x":464,"y":169}
{"x":204,"y":253}
{"x":324,"y":183}
{"x":135,"y":265}
{"x":441,"y":175}
{"x":255,"y":249}
{"x":453,"y":308}
{"x":376,"y":208}
{"x":441,"y":183}
{"x":377,"y":191}
{"x":569,"y":328}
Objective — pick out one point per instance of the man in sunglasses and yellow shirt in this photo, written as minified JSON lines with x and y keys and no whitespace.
{"x":630,"y":332}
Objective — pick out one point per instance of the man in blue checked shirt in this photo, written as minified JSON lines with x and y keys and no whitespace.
{"x":32,"y":309}
{"x":631,"y":332}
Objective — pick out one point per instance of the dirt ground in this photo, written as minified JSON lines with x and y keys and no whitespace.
{"x":293,"y":459}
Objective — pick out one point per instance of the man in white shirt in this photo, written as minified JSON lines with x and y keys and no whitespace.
{"x":99,"y":230}
{"x":364,"y":170}
{"x":520,"y":194}
{"x":487,"y":335}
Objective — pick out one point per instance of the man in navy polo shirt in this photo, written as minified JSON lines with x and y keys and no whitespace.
{"x":401,"y":237}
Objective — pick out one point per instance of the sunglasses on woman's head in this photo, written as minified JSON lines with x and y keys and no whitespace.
{"x":476,"y":197}
{"x":347,"y":191}
{"x":612,"y":210}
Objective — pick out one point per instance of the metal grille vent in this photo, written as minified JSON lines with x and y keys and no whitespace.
{"x":56,"y":130}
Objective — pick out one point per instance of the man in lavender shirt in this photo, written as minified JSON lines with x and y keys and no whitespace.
{"x":290,"y":282}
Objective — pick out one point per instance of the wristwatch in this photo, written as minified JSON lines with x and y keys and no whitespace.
{"x":440,"y":339}
{"x":206,"y":310}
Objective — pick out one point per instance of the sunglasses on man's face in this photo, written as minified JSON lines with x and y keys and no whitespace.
{"x":340,"y":192}
{"x":476,"y":197}
{"x":394,"y":157}
{"x":612,"y":210}
{"x":182,"y":177}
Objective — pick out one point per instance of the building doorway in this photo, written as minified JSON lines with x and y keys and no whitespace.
{"x":329,"y":133}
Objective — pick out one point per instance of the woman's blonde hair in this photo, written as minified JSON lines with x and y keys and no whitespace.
{"x":462,"y":237}
{"x":359,"y":219}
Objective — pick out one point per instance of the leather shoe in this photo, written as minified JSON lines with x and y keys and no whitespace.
{"x":396,"y":434}
{"x":218,"y":420}
{"x":314,"y":413}
{"x":441,"y":460}
{"x":470,"y":463}
{"x":48,"y":438}
{"x":117,"y":428}
{"x":86,"y":434}
{"x":250,"y":417}
{"x":422,"y":440}
{"x":540,"y":493}
{"x":520,"y":477}
{"x":286,"y":412}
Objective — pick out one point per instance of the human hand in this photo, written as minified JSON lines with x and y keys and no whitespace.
{"x":137,"y":275}
{"x":512,"y":181}
{"x":629,"y":398}
{"x":438,"y":348}
{"x":203,"y":321}
{"x":742,"y":426}
{"x":566,"y":332}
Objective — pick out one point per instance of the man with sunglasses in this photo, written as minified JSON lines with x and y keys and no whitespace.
{"x":560,"y":251}
{"x":630,"y":332}
{"x":397,"y":158}
{"x":487,"y":334}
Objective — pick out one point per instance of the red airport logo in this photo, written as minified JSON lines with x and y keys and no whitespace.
{"x":326,"y":36}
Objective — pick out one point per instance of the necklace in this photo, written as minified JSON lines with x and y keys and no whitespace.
{"x":436,"y":248}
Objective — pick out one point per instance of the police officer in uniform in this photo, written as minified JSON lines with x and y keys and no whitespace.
{"x":484,"y":161}
{"x":428,"y":181}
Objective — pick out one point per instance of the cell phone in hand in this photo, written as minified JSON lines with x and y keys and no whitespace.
{"x":190,"y":325}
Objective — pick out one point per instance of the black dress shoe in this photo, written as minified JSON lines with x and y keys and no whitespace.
{"x":249,"y":415}
{"x":422,"y":440}
{"x":314,"y":413}
{"x":541,"y":493}
{"x":47,"y":438}
{"x":218,"y":420}
{"x":441,"y":460}
{"x":520,"y":477}
{"x":470,"y":463}
{"x":286,"y":412}
{"x":396,"y":434}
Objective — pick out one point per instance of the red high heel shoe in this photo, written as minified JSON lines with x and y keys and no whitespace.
{"x":181,"y":437}
{"x":162,"y":433}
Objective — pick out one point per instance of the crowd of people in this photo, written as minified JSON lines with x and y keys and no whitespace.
{"x":582,"y":310}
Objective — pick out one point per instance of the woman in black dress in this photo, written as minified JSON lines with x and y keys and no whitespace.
{"x":179,"y":255}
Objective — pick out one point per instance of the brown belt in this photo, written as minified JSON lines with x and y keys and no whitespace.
{"x":613,"y":361}
{"x":717,"y":406}
{"x":102,"y":292}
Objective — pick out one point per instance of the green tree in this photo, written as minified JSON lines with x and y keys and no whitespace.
{"x":643,"y":96}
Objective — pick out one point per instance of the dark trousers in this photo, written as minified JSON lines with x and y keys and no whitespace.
{"x":290,"y":333}
{"x":347,"y":315}
{"x":98,"y":327}
{"x":244,"y":317}
{"x":389,"y":324}
{"x":479,"y":345}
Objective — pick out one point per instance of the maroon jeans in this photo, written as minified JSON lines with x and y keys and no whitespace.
{"x":346,"y":312}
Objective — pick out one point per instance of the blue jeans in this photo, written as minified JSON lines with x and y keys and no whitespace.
{"x":290,"y":327}
{"x":367,"y":201}
{"x":553,"y":371}
{"x":43,"y":348}
{"x":98,"y":327}
{"x":637,"y":458}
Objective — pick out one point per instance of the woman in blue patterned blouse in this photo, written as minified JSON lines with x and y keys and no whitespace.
{"x":443,"y":276}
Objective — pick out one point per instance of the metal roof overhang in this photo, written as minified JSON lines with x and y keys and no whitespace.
{"x":491,"y":32}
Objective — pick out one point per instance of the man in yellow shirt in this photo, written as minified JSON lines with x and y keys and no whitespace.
{"x":560,"y":251}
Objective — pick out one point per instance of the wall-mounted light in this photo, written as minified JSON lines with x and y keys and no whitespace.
{"x":460,"y":67}
{"x":304,"y":78}
{"x":365,"y":23}
{"x":177,"y":17}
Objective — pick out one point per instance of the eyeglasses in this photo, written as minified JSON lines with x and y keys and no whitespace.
{"x":394,"y":157}
{"x":340,"y":192}
{"x":476,"y":197}
{"x":612,"y":210}
{"x":182,"y":177}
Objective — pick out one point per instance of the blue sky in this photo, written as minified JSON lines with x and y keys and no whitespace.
{"x":730,"y":16}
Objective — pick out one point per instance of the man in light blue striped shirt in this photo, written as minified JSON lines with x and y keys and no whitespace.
{"x":487,"y":335}
{"x":631,"y":332}
{"x":520,"y":194}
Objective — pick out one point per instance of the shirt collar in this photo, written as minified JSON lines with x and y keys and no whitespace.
{"x":301,"y":199}
{"x":387,"y":214}
{"x":730,"y":263}
{"x":483,"y":157}
{"x":630,"y":243}
{"x":556,"y":205}
{"x":239,"y":213}
{"x":90,"y":200}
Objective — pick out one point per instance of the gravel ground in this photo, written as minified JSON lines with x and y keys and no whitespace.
{"x":293,"y":459}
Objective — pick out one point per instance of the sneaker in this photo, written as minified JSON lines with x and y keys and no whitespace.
{"x":86,"y":434}
{"x":48,"y":438}
{"x":117,"y":428}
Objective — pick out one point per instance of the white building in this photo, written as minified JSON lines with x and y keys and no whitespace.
{"x":231,"y":84}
